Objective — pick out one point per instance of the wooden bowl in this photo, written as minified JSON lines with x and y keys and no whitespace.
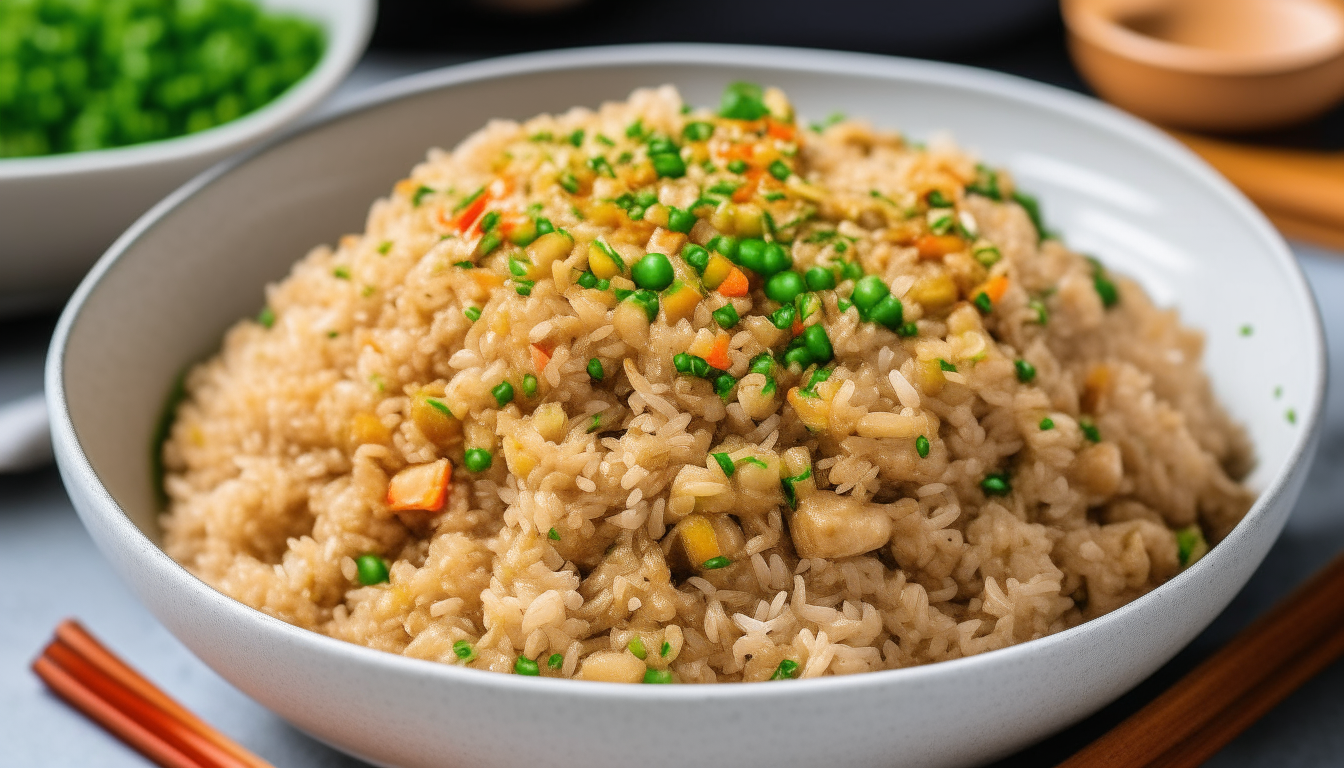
{"x":1221,"y":65}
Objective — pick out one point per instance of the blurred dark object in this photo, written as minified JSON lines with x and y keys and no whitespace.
{"x":936,"y":29}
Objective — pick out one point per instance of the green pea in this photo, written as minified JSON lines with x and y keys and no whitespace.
{"x":1025,"y":371}
{"x":595,"y":369}
{"x":818,"y":344}
{"x":529,"y":385}
{"x":668,"y":165}
{"x":682,"y":362}
{"x":587,"y":280}
{"x":889,"y":312}
{"x":783,"y":287}
{"x":775,"y":260}
{"x":649,"y":301}
{"x":762,"y":363}
{"x":679,"y":220}
{"x":737,"y":166}
{"x":996,"y":485}
{"x":723,"y":384}
{"x":819,"y":279}
{"x":799,"y":356}
{"x":658,"y":676}
{"x":653,"y":272}
{"x":696,"y":256}
{"x":371,"y":569}
{"x":726,"y":245}
{"x":751,"y":254}
{"x":868,"y":292}
{"x":478,"y":459}
{"x":526,"y":666}
{"x":700,"y":366}
{"x":783,"y":317}
{"x":698,"y":131}
{"x":851,"y":270}
{"x":779,"y":170}
{"x":725,"y":316}
{"x":922,"y":446}
{"x":503,"y":392}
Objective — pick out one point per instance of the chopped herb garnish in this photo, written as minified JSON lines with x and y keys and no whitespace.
{"x":987,"y":255}
{"x":996,"y":485}
{"x":542,"y":136}
{"x":715,"y":563}
{"x":464,"y":264}
{"x":1105,"y":289}
{"x":553,"y":535}
{"x":658,"y":676}
{"x":1090,"y":430}
{"x":1025,"y":371}
{"x":635,"y":130}
{"x":738,"y":166}
{"x":333,"y":334}
{"x":569,"y":183}
{"x":831,"y":119}
{"x":1042,"y":314}
{"x":1033,"y":209}
{"x":666,"y":649}
{"x":725,"y":463}
{"x":419,"y":195}
{"x":1046,"y":424}
{"x":908,"y":330}
{"x":266,"y":317}
{"x":1291,"y":415}
{"x":526,"y":666}
{"x":341,"y":273}
{"x":384,"y":247}
{"x":787,"y":670}
{"x":786,"y":485}
{"x":1190,"y":545}
{"x":983,"y":303}
{"x":986,"y":183}
{"x":595,"y":369}
{"x":464,"y":651}
{"x":946,"y":366}
{"x":600,"y":139}
{"x":922,"y":446}
{"x":636,"y":646}
{"x":599,"y":165}
{"x":439,"y":406}
{"x":371,"y":569}
{"x":489,"y":243}
{"x":523,"y":287}
{"x":576,"y":138}
{"x":594,"y":423}
{"x":478,"y":459}
{"x":469,"y":199}
{"x":936,"y":199}
{"x":877,"y":195}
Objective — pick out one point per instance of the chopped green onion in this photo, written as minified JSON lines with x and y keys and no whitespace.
{"x":715,"y":563}
{"x":1047,"y":424}
{"x":341,"y":273}
{"x":419,"y":195}
{"x":922,"y":446}
{"x":786,"y":670}
{"x":529,"y":385}
{"x":1033,"y":209}
{"x":478,"y":459}
{"x":908,"y":330}
{"x":786,"y":485}
{"x":553,"y":535}
{"x":738,"y":166}
{"x":600,"y":139}
{"x":636,"y":646}
{"x":753,"y":461}
{"x":983,"y":303}
{"x":570,"y":184}
{"x":266,"y":317}
{"x":526,"y":666}
{"x":946,"y":366}
{"x":1190,"y":545}
{"x":1025,"y":371}
{"x":1042,"y":314}
{"x":489,"y":243}
{"x":649,"y":301}
{"x":725,"y":316}
{"x":658,"y":676}
{"x":371,"y":569}
{"x":587,"y":280}
{"x":384,"y":247}
{"x":489,"y":221}
{"x":936,"y":199}
{"x":464,"y":264}
{"x":1291,"y":416}
{"x":986,"y":183}
{"x":595,"y":369}
{"x":594,"y":423}
{"x":469,"y":200}
{"x":576,"y":138}
{"x":523,"y":287}
{"x":783,"y":317}
{"x":503,"y":392}
{"x":518,"y":267}
{"x":464,"y":651}
{"x":438,"y":405}
{"x":725,"y":463}
{"x":996,"y":485}
{"x":1106,"y":289}
{"x":1247,"y":330}
{"x":743,"y":101}
{"x":666,"y":649}
{"x":779,"y":170}
{"x":635,"y":130}
{"x":1090,"y":430}
{"x":653,"y":272}
{"x":599,"y":165}
{"x":987,"y":255}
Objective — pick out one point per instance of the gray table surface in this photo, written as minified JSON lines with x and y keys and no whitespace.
{"x":45,"y":551}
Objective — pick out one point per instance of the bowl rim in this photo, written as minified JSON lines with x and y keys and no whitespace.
{"x":348,"y":25}
{"x":77,"y":471}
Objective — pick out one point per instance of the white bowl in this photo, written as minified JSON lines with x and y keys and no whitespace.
{"x":164,"y":294}
{"x":58,"y":213}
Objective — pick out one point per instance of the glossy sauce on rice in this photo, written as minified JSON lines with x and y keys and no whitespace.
{"x":855,"y":413}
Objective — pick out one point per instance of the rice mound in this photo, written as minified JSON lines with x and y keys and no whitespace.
{"x":931,"y":498}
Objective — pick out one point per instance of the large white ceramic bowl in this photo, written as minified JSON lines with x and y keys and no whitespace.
{"x":58,"y":213}
{"x":164,"y":294}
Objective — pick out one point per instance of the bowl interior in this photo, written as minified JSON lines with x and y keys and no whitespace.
{"x":163,"y":297}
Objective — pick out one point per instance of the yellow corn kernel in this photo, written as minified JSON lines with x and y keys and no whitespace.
{"x":544,"y":251}
{"x":814,"y":412}
{"x":718,"y":268}
{"x":747,"y":221}
{"x":604,"y":214}
{"x":934,"y":292}
{"x":521,"y":463}
{"x":486,"y":279}
{"x":639,"y":174}
{"x":802,"y":189}
{"x":930,"y":376}
{"x":601,"y":264}
{"x":432,"y":418}
{"x":680,"y":303}
{"x":367,"y":428}
{"x":550,"y":421}
{"x":698,"y":539}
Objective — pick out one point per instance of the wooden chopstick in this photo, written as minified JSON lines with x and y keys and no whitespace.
{"x":93,"y":680}
{"x":1207,"y":708}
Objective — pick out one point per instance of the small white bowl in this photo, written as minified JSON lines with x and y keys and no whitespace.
{"x":163,"y":295}
{"x":58,"y":213}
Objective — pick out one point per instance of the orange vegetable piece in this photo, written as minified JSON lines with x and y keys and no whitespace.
{"x":718,"y":354}
{"x":748,"y":190}
{"x":797,"y":328}
{"x":540,"y":357}
{"x":938,"y":246}
{"x":735,"y":284}
{"x":420,"y":487}
{"x":472,"y":213}
{"x":996,"y":287}
{"x":778,"y":130}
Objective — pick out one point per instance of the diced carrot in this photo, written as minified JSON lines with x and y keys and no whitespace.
{"x":420,"y":487}
{"x":797,"y":328}
{"x":938,"y":246}
{"x":540,"y":358}
{"x":778,"y":130}
{"x":485,"y":279}
{"x":735,"y":284}
{"x":718,"y":354}
{"x":996,"y":287}
{"x":472,"y":213}
{"x":740,"y":151}
{"x":1096,"y":385}
{"x":748,"y":190}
